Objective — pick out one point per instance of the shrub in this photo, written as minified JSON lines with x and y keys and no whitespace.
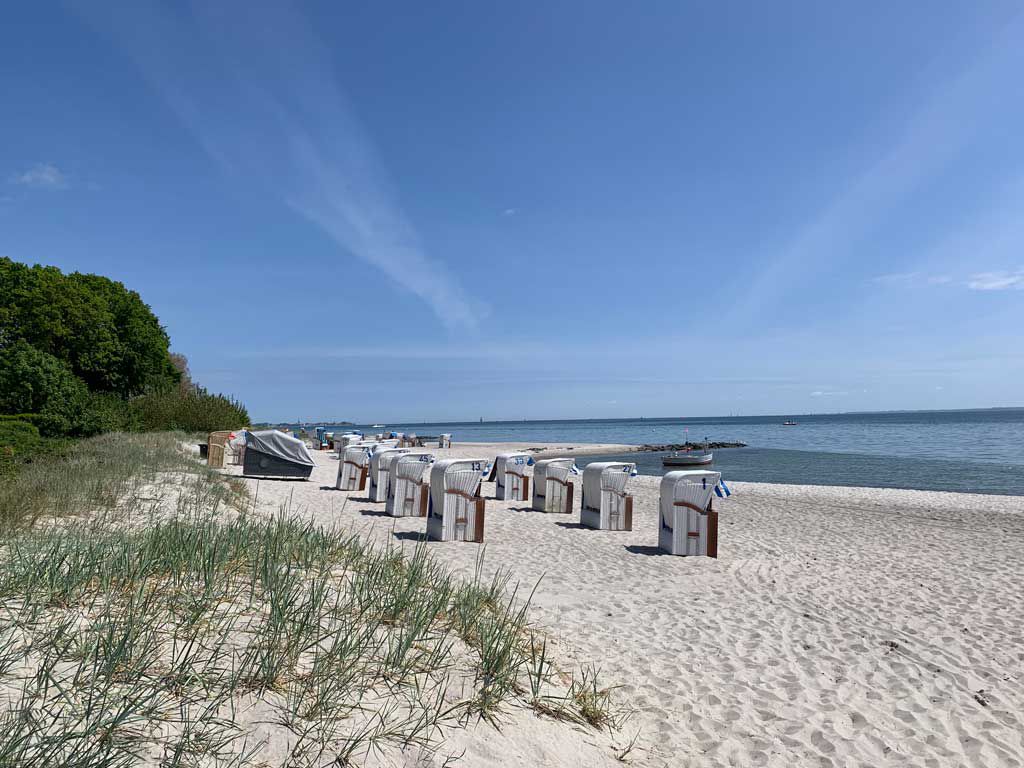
{"x":32,"y":381}
{"x":20,"y":443}
{"x":192,"y":411}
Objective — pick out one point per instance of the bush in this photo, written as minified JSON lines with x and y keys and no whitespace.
{"x":193,"y":411}
{"x":20,"y":443}
{"x":35,"y":382}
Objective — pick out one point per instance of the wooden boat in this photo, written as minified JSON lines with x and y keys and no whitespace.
{"x":678,"y":459}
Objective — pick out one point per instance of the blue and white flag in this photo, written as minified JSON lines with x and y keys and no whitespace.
{"x":722,"y":490}
{"x":574,"y":469}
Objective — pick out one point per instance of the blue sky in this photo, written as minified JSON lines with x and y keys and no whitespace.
{"x":394,"y":211}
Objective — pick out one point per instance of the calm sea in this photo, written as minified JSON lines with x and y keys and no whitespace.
{"x":979,"y":451}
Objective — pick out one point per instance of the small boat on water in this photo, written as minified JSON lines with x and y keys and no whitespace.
{"x":688,"y":458}
{"x":376,"y":426}
{"x":789,"y":423}
{"x":684,"y":459}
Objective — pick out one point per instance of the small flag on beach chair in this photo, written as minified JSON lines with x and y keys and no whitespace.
{"x":722,"y":490}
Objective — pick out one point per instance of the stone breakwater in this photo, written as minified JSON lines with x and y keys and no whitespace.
{"x":690,"y":446}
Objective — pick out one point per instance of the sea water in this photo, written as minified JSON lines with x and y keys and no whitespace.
{"x":979,"y":451}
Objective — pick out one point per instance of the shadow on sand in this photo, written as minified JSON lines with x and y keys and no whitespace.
{"x":644,"y":549}
{"x":410,"y":535}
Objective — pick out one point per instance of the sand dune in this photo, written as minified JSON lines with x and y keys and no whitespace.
{"x":839,"y":626}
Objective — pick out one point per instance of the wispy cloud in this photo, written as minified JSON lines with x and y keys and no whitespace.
{"x":42,"y":176}
{"x":510,"y":212}
{"x":911,"y":279}
{"x":258,"y":91}
{"x":827,"y":393}
{"x":997,"y":281}
{"x":897,"y":278}
{"x":933,"y":136}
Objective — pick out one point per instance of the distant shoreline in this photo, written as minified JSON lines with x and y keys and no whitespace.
{"x":656,"y":419}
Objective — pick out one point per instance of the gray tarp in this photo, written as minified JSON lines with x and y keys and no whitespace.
{"x":280,"y":445}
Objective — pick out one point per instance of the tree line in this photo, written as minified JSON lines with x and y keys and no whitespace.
{"x":82,"y":354}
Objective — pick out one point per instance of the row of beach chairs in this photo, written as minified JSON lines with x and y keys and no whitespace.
{"x":449,"y":494}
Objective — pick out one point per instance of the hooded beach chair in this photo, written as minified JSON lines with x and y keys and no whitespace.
{"x":444,"y":441}
{"x":270,"y":453}
{"x":353,"y":467}
{"x":380,"y":468}
{"x":456,"y":510}
{"x":341,"y":442}
{"x":552,"y":488}
{"x":237,"y":446}
{"x":409,"y":486}
{"x":217,"y":448}
{"x":508,"y":473}
{"x":687,"y":523}
{"x":605,"y":503}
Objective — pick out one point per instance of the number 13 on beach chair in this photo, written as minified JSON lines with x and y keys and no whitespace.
{"x":456,"y":510}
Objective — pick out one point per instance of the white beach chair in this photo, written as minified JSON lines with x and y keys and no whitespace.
{"x":409,"y":487}
{"x":552,"y":489}
{"x":353,"y":467}
{"x":341,"y":442}
{"x":444,"y":441}
{"x":508,"y":473}
{"x":380,"y":470}
{"x":687,"y":523}
{"x":605,"y":503}
{"x":456,"y":507}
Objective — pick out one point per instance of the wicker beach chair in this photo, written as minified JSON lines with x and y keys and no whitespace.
{"x":408,"y":488}
{"x":605,"y":504}
{"x":456,"y":508}
{"x":380,"y":469}
{"x":552,"y":488}
{"x":688,"y":524}
{"x":217,"y":442}
{"x":354,"y":467}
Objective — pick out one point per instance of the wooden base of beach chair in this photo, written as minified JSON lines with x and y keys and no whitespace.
{"x":478,"y":529}
{"x":424,"y":499}
{"x":712,"y":532}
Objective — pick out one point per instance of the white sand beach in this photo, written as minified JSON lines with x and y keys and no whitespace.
{"x":839,"y":626}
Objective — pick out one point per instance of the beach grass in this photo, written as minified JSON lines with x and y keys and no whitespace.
{"x":201,"y":635}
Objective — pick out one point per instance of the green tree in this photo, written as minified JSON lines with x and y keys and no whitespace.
{"x":107,"y":335}
{"x":34,"y":382}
